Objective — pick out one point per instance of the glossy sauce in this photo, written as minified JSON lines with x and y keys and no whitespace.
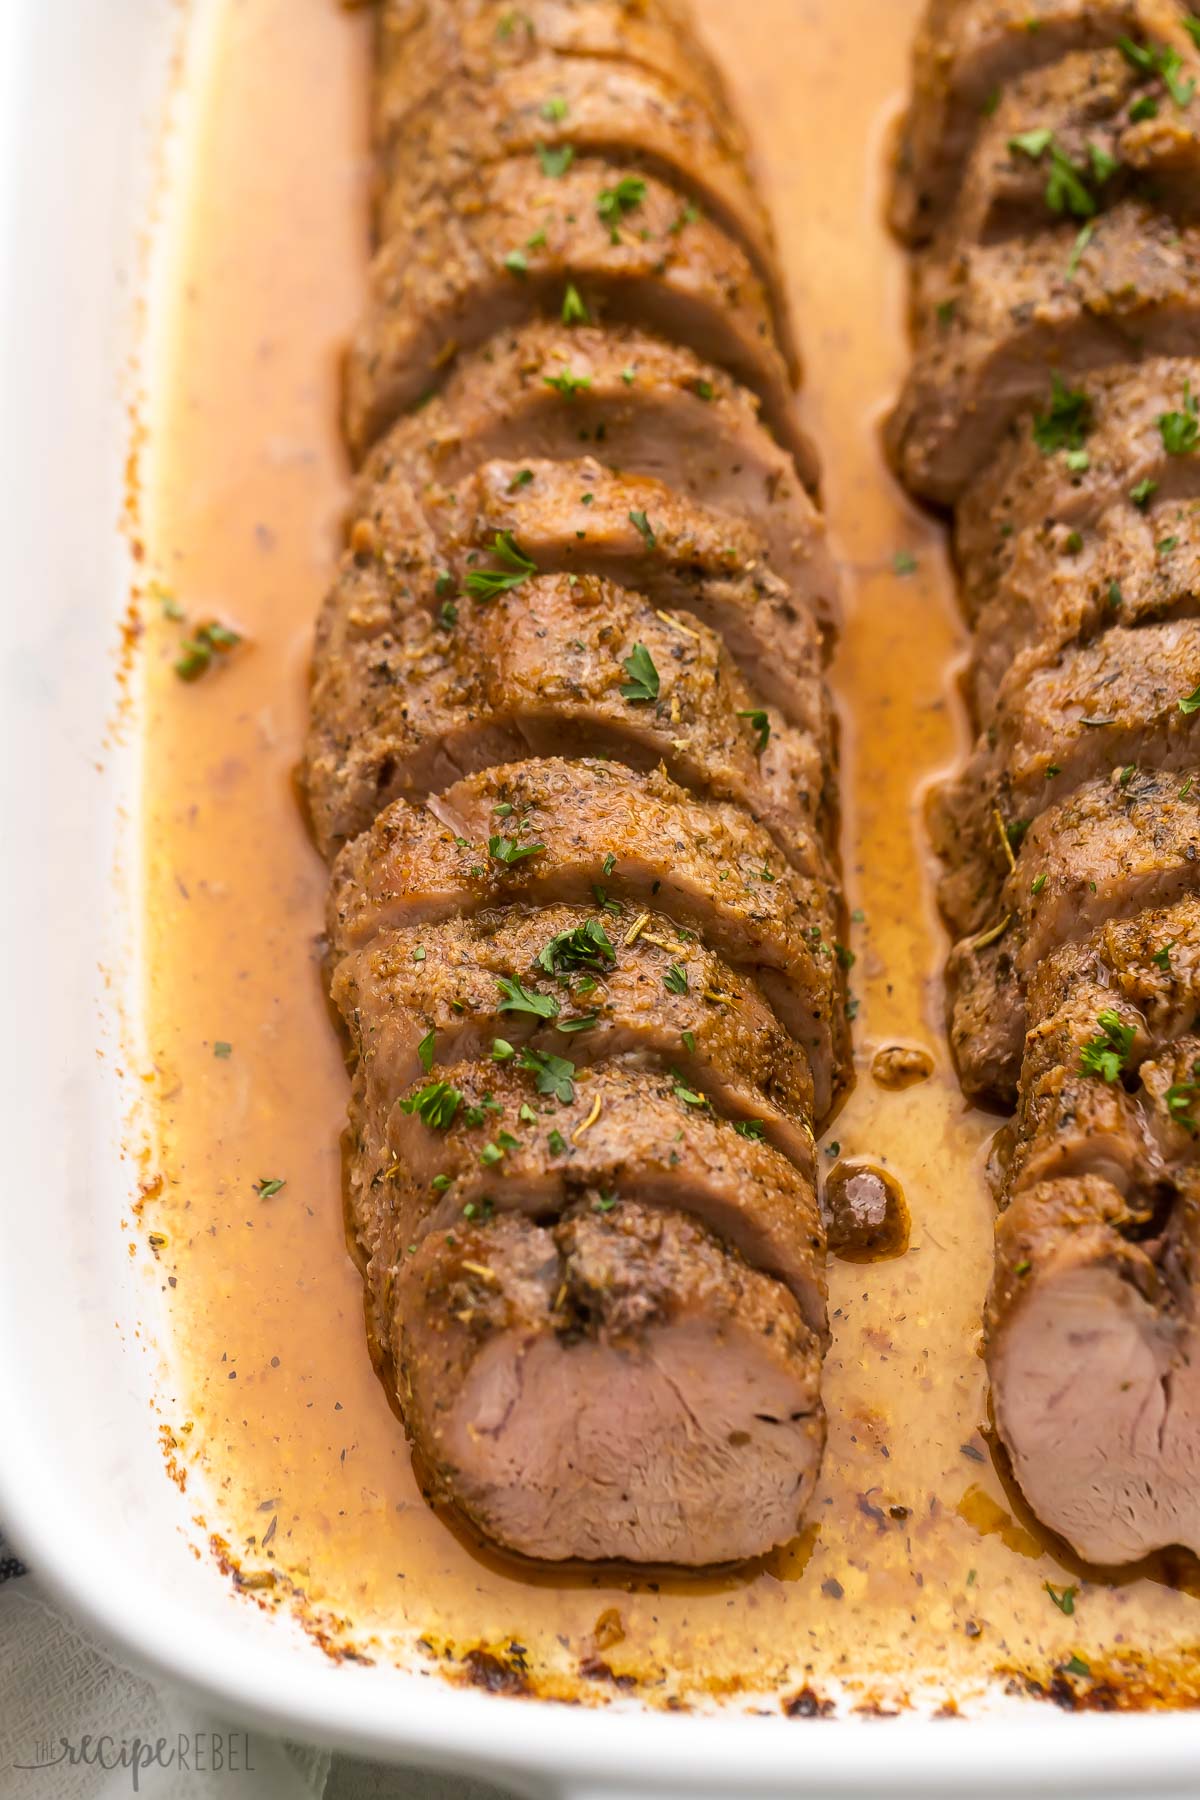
{"x":914,"y":1578}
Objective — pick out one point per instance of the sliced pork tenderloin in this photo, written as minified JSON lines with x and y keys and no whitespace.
{"x":567,"y":665}
{"x":1075,"y":1115}
{"x":1018,"y":309}
{"x":657,"y":999}
{"x":640,"y":405}
{"x":479,"y":1138}
{"x":1134,"y":567}
{"x":1081,"y":454}
{"x":593,"y":244}
{"x":1093,"y":1348}
{"x":423,"y":49}
{"x":615,"y":1385}
{"x":562,"y":107}
{"x":967,"y":52}
{"x":553,"y":832}
{"x":1124,"y":700}
{"x":570,"y":517}
{"x":1121,"y":843}
{"x":1061,"y":142}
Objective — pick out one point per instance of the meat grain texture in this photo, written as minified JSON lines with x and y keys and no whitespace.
{"x":570,"y":757}
{"x":1046,"y":170}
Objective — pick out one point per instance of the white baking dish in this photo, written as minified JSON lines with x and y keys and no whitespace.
{"x":83,"y":85}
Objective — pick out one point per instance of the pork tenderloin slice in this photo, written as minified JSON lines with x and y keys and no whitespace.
{"x":626,"y":1132}
{"x":1149,"y":963}
{"x":638,"y":405}
{"x":561,"y":107}
{"x":1119,"y":844}
{"x":1171,"y":1088}
{"x":574,"y":517}
{"x":663,"y":1001}
{"x":1075,"y":1115}
{"x":568,"y":664}
{"x":966,"y":53}
{"x":516,"y":243}
{"x":1061,"y":143}
{"x":1101,"y":706}
{"x":1094,"y":1356}
{"x":422,"y":49}
{"x":1038,"y":487}
{"x":615,"y":1386}
{"x":1133,"y":568}
{"x":642,"y":842}
{"x":1024,"y":306}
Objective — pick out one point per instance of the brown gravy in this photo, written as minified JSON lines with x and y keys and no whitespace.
{"x":916,"y":1577}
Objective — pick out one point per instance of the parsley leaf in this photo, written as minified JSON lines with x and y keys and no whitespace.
{"x":1067,"y":421}
{"x":568,"y":384}
{"x":518,"y":999}
{"x":644,"y":526}
{"x":555,"y":159}
{"x":675,"y":980}
{"x":485,"y":584}
{"x":1181,"y":430}
{"x":552,"y":1074}
{"x":1107,"y":1054}
{"x":574,"y":312}
{"x":508,"y":851}
{"x":613,"y":203}
{"x":760,"y":723}
{"x":643,"y":676}
{"x":587,"y":947}
{"x":435,"y":1105}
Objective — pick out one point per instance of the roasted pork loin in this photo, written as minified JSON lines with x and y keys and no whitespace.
{"x":571,"y":759}
{"x":1049,"y":164}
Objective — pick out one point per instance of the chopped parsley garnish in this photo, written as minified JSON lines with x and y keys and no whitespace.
{"x":749,"y":1128}
{"x":760,"y":723}
{"x":521,"y":479}
{"x":266,"y":1185}
{"x":555,"y":159}
{"x":587,"y":947}
{"x":1181,"y":430}
{"x":643,"y":676}
{"x":502,"y":1050}
{"x":446,"y":617}
{"x":574,"y":312}
{"x":485,"y":584}
{"x":518,"y":999}
{"x":613,"y":203}
{"x":555,"y":109}
{"x":644,"y":526}
{"x":517,"y":263}
{"x":1143,"y":493}
{"x":688,"y":1095}
{"x":1162,"y":60}
{"x":196,"y":653}
{"x":609,"y":864}
{"x":1107,"y":1054}
{"x":1066,"y":187}
{"x":1181,"y":1097}
{"x":557,"y":1142}
{"x":222,"y":1049}
{"x":436,"y":1105}
{"x":1037,"y":884}
{"x":1162,"y":958}
{"x":584,"y":1022}
{"x":1190,"y":702}
{"x":568,"y":384}
{"x":1064,"y":1599}
{"x":425,"y":1050}
{"x":1066,"y":422}
{"x":552,"y":1074}
{"x":507,"y":850}
{"x":675,"y":980}
{"x":904,"y":563}
{"x":1075,"y":1665}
